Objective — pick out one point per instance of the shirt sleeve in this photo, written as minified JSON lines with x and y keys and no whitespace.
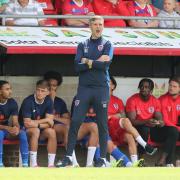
{"x":108,"y":50}
{"x":9,"y":11}
{"x":130,"y":106}
{"x":49,"y":109}
{"x":121,"y":106}
{"x":66,"y":8}
{"x":158,"y":106}
{"x":14,"y":107}
{"x":26,"y":109}
{"x":79,"y":55}
{"x":63,"y":108}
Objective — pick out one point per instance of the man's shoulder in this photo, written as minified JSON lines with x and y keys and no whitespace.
{"x":59,"y":100}
{"x":29,"y":98}
{"x":12,"y":101}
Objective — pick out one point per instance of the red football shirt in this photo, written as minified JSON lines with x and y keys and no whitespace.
{"x":144,"y":109}
{"x":70,"y":7}
{"x":103,"y":7}
{"x":170,"y":109}
{"x":115,"y":105}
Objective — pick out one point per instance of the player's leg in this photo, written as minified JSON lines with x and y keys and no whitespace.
{"x":90,"y":129}
{"x":50,"y":135}
{"x":118,"y":155}
{"x":80,"y":109}
{"x":61,"y":133}
{"x":168,"y":136}
{"x":101,"y":98}
{"x":3,"y":134}
{"x":127,"y":126}
{"x":144,"y":132}
{"x":24,"y":147}
{"x":33,"y":136}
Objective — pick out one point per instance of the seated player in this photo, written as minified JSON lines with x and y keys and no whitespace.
{"x":37,"y":115}
{"x":8,"y":112}
{"x":169,"y":134}
{"x":144,"y":110}
{"x":121,"y":129}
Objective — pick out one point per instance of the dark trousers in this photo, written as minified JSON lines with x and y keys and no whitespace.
{"x":168,"y":135}
{"x":98,"y":97}
{"x":144,"y":132}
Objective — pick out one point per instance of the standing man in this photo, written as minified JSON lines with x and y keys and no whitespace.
{"x":9,"y":110}
{"x":92,"y":62}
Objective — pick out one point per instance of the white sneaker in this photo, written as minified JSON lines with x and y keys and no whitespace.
{"x":169,"y":165}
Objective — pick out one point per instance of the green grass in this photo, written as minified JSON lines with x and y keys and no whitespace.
{"x":90,"y":173}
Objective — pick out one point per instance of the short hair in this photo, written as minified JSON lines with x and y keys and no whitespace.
{"x":2,"y":83}
{"x":42,"y":84}
{"x":53,"y":75}
{"x":92,"y":19}
{"x":175,"y":78}
{"x":113,"y":81}
{"x":149,"y":81}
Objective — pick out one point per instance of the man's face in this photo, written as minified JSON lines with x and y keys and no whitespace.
{"x":174,"y":88}
{"x":23,"y":3}
{"x":169,"y":5}
{"x":53,"y":85}
{"x":97,"y":28}
{"x":145,"y":89}
{"x":41,"y":92}
{"x":6,"y":91}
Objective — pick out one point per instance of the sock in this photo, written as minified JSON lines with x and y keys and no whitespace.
{"x":51,"y":158}
{"x":97,"y":154}
{"x":74,"y":160}
{"x":90,"y":155}
{"x":117,"y":154}
{"x":134,"y":158}
{"x":33,"y":158}
{"x":140,"y":140}
{"x":24,"y":147}
{"x":2,"y":134}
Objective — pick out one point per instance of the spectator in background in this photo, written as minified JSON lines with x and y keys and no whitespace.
{"x":142,"y":8}
{"x":24,"y":7}
{"x":168,"y":11}
{"x":3,"y":5}
{"x":111,"y":8}
{"x":76,"y":7}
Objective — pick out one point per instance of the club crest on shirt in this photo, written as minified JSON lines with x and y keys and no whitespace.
{"x":77,"y":102}
{"x":178,"y":107}
{"x":151,"y":109}
{"x":100,"y":47}
{"x":116,"y":106}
